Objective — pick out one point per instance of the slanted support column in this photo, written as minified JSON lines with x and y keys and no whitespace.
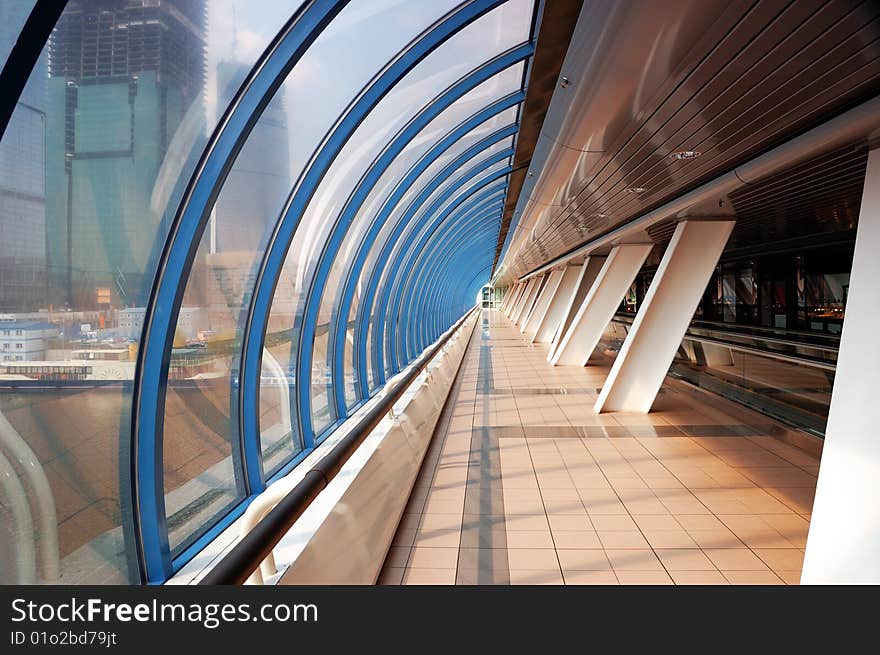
{"x":509,"y":297}
{"x":843,"y":545}
{"x":559,"y":304}
{"x":640,"y":367}
{"x":542,"y":303}
{"x":528,"y":299}
{"x":517,"y":308}
{"x":602,"y":300}
{"x":589,"y":270}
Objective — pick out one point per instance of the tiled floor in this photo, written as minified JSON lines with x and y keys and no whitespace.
{"x":525,"y":484}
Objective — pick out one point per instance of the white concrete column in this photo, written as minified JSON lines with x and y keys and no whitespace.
{"x":843,"y":546}
{"x":542,"y":304}
{"x":589,"y":271}
{"x":614,"y":278}
{"x":518,"y":307}
{"x":527,"y":300}
{"x":531,"y":300}
{"x":509,"y":297}
{"x":658,"y":328}
{"x":563,"y":295}
{"x":519,"y":298}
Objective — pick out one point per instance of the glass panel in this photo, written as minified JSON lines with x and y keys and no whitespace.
{"x":423,"y":221}
{"x":101,"y":155}
{"x":13,"y":15}
{"x":481,"y":96}
{"x":492,"y":33}
{"x":219,"y":288}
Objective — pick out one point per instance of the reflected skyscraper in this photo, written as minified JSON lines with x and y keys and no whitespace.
{"x":123,"y":75}
{"x":22,"y":183}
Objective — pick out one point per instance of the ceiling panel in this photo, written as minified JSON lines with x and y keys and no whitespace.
{"x":770,"y":71}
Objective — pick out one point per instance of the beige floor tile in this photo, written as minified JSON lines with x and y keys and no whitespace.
{"x":657,"y":523}
{"x":633,"y":560}
{"x":716,"y":538}
{"x":529,"y":539}
{"x":583,"y":560}
{"x":576,"y":539}
{"x":569,"y":523}
{"x":603,"y":500}
{"x":536,"y":577}
{"x":427,"y":557}
{"x":614,"y":523}
{"x":782,"y":559}
{"x":622,"y":539}
{"x":590,"y":578}
{"x":669,"y":539}
{"x":429,"y":577}
{"x":532,"y":558}
{"x":735,"y":559}
{"x":684,"y":559}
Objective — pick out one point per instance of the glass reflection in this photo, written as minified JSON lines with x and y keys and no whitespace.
{"x":99,"y":149}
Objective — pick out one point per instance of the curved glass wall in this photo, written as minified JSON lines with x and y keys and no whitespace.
{"x":253,"y":196}
{"x":132,"y":106}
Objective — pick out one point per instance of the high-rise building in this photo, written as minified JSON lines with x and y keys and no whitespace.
{"x":122,"y":76}
{"x":260,"y":179}
{"x":22,"y":182}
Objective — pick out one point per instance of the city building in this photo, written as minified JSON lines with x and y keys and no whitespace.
{"x":123,"y":76}
{"x":25,"y":340}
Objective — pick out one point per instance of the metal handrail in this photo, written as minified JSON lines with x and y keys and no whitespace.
{"x":806,"y":360}
{"x":236,"y":566}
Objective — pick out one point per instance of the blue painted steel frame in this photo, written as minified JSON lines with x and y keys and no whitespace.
{"x":428,"y":255}
{"x":456,"y":257}
{"x":448,"y":292}
{"x":434,"y":261}
{"x":393,"y":244}
{"x":151,"y":374}
{"x":342,"y":307}
{"x":443,"y":245}
{"x":430,"y":218}
{"x":273,"y":260}
{"x":476,"y":195}
{"x":336,"y":352}
{"x":443,"y":289}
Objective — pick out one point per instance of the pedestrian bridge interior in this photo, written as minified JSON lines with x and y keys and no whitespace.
{"x":450,"y":292}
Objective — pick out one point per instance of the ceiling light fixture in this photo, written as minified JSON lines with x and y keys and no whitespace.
{"x":635,"y":189}
{"x":685,"y":155}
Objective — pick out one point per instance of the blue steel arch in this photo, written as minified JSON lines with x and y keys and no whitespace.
{"x":434,"y":257}
{"x":387,"y":291}
{"x":316,"y":277}
{"x":342,"y":306}
{"x":413,"y":260}
{"x":175,"y":263}
{"x":368,"y":181}
{"x":445,"y":239}
{"x":298,"y":201}
{"x":391,"y":243}
{"x":468,"y":175}
{"x":448,"y":293}
{"x":474,"y":195}
{"x":450,"y":290}
{"x":419,"y":316}
{"x":492,"y":211}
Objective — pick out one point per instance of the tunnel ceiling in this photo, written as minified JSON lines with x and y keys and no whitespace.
{"x":727,"y":80}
